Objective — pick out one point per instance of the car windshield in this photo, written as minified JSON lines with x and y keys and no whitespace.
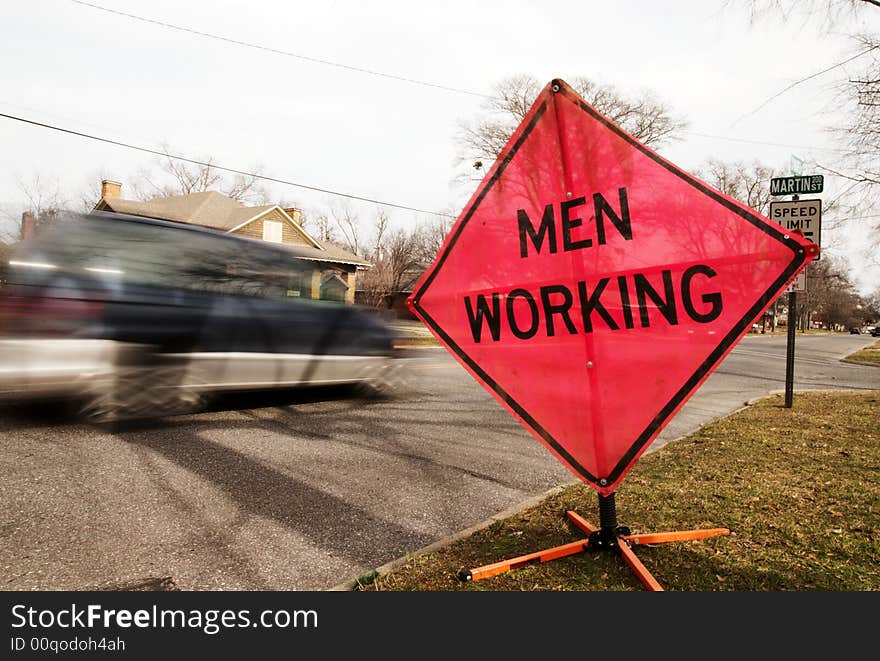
{"x":162,"y":255}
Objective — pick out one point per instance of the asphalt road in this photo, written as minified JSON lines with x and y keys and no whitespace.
{"x":305,"y":491}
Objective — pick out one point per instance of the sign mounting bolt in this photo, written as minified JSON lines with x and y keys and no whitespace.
{"x":603,"y":481}
{"x":589,"y":363}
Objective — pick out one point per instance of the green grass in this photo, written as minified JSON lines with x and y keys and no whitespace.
{"x":799,"y":488}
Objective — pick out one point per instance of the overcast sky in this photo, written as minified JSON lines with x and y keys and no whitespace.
{"x":334,"y":113}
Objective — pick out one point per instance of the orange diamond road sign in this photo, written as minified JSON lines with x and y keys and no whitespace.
{"x":591,"y":286}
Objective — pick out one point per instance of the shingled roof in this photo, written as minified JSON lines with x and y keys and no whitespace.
{"x":328,"y":252}
{"x":215,"y":210}
{"x":208,"y":209}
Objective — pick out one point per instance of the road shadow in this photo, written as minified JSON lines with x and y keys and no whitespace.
{"x":257,"y":489}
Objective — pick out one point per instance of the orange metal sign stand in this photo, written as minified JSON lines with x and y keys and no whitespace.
{"x":609,"y":536}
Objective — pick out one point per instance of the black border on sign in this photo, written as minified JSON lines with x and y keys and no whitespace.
{"x":659,"y":420}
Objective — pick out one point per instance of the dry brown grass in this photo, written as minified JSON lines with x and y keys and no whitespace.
{"x":870,"y":355}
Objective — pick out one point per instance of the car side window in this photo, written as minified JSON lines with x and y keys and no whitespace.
{"x":111,"y":250}
{"x":232,"y":266}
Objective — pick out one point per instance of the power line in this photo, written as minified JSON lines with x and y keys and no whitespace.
{"x":246,"y":44}
{"x":277,"y":51}
{"x":244,"y":173}
{"x":306,"y":186}
{"x":419,"y":82}
{"x":759,"y":142}
{"x":803,"y":80}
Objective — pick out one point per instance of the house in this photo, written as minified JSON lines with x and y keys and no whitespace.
{"x":269,"y":222}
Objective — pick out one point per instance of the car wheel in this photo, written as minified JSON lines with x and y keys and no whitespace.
{"x":138,"y":393}
{"x":386,"y":380}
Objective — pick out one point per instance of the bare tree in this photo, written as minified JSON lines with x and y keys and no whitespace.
{"x":398,"y":256}
{"x":748,"y":183}
{"x":319,"y":225}
{"x":480,"y":140}
{"x":871,"y":306}
{"x":428,"y":237}
{"x":830,"y":11}
{"x":395,"y":264}
{"x":862,"y":135}
{"x":41,"y":196}
{"x":402,"y":258}
{"x":173,"y":176}
{"x":859,"y":94}
{"x":380,"y":229}
{"x":830,"y":296}
{"x":345,"y":221}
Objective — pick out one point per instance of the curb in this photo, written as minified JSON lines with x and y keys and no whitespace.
{"x":350,"y":585}
{"x":859,"y":362}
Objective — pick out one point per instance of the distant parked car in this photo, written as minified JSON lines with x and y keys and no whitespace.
{"x":875,"y":332}
{"x":139,"y":317}
{"x":855,"y":330}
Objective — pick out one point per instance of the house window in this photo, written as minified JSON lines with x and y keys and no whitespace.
{"x":272,"y":231}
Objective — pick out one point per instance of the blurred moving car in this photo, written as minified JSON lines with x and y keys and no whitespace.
{"x":875,"y":332}
{"x":855,"y":330}
{"x":139,"y":317}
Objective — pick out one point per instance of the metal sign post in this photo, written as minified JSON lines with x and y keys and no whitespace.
{"x":799,"y":284}
{"x":789,"y":350}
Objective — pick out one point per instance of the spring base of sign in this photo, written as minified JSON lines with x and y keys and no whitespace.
{"x":609,"y":536}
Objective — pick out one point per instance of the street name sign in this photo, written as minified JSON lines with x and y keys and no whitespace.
{"x":800,"y":215}
{"x":591,"y":286}
{"x":800,"y":185}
